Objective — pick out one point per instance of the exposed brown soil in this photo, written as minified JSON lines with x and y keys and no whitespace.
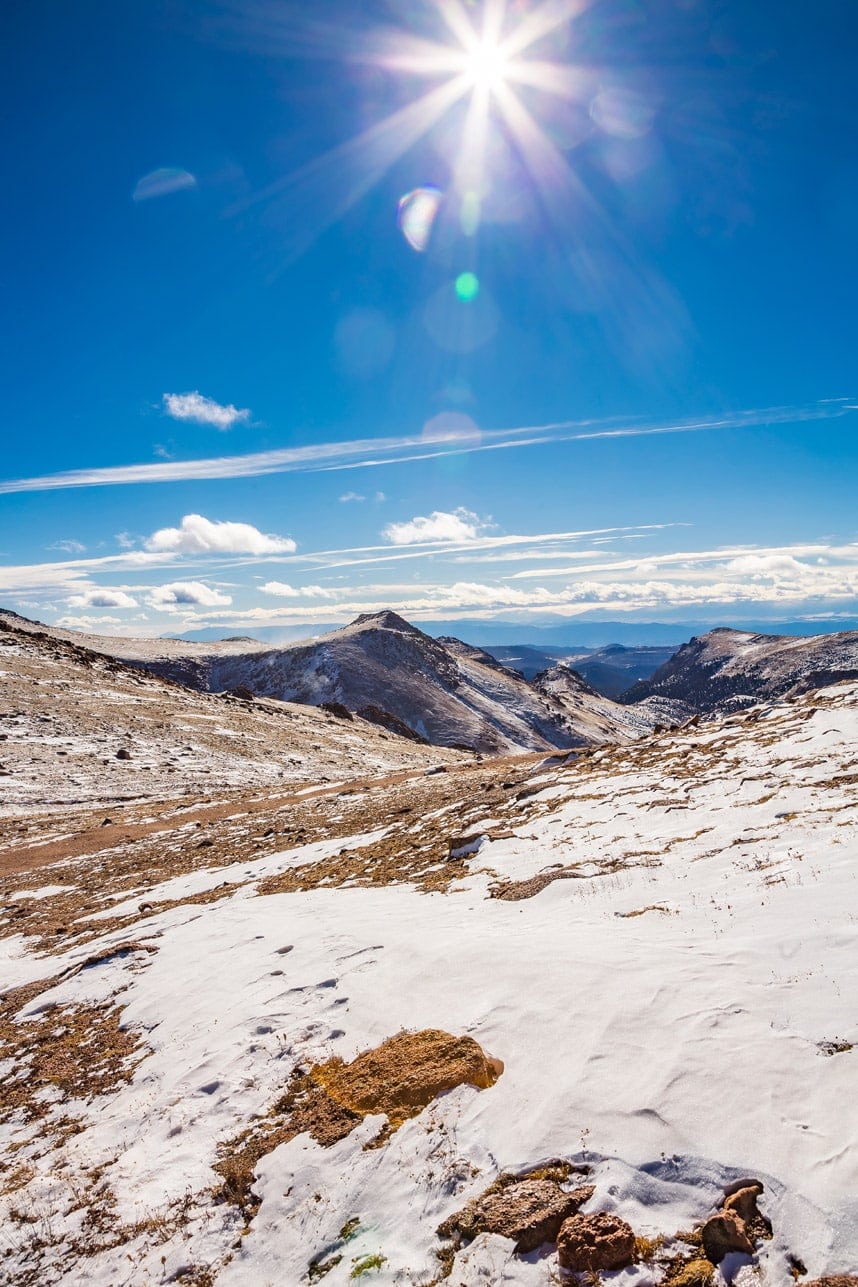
{"x":78,"y":1051}
{"x":398,"y":1078}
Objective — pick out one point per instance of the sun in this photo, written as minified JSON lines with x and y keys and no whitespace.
{"x":486,"y":66}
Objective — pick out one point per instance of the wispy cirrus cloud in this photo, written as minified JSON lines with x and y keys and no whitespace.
{"x":204,"y":411}
{"x":367,"y":453}
{"x":67,"y":546}
{"x":281,"y":589}
{"x":162,"y":183}
{"x":198,"y":535}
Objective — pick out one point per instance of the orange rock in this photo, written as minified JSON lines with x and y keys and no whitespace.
{"x":598,"y":1241}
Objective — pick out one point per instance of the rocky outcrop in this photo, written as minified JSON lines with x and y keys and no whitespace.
{"x":731,"y":669}
{"x":594,"y":1242}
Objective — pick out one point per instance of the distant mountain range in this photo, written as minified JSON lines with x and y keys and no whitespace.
{"x":450,"y":693}
{"x":609,"y":670}
{"x":564,"y":633}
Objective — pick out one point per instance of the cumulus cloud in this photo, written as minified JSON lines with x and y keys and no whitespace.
{"x":102,"y":599}
{"x":284,"y":591}
{"x":187,"y":593}
{"x":351,"y":496}
{"x":204,"y":411}
{"x":198,"y":535}
{"x":456,"y":525}
{"x":88,"y":623}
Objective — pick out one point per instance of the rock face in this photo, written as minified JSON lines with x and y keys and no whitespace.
{"x":730,"y":669}
{"x":599,"y":1241}
{"x":834,"y":1280}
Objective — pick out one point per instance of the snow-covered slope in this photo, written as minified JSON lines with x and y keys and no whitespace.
{"x":79,"y":727}
{"x":657,"y":941}
{"x":446,"y":692}
{"x":727,"y":669}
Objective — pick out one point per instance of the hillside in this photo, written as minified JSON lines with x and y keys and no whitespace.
{"x":396,"y":1031}
{"x":380,"y":666}
{"x":79,"y":727}
{"x":727,"y":669}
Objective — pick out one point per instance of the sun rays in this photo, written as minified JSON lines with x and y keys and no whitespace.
{"x":473,"y":72}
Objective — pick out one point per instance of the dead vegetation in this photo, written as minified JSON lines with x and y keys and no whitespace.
{"x":398,"y":1079}
{"x":70,"y":1052}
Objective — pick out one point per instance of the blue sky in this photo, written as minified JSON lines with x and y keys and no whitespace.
{"x":600,"y":361}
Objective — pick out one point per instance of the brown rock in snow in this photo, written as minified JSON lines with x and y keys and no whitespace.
{"x":722,"y":1233}
{"x":528,"y":1211}
{"x":598,"y":1241}
{"x":743,"y":1203}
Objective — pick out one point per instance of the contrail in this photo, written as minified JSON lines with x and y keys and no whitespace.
{"x":366,"y":453}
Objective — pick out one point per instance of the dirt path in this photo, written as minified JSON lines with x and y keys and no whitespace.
{"x":92,"y":833}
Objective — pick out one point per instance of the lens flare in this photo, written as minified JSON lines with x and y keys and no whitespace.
{"x":467,"y":287}
{"x":417,"y":213}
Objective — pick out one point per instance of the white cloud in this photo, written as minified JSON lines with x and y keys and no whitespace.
{"x":67,"y":546}
{"x":87,"y":623}
{"x":284,"y":591}
{"x":102,"y":599}
{"x":457,"y":525}
{"x":163,"y":182}
{"x":124,"y":540}
{"x":204,"y":411}
{"x":198,"y":535}
{"x":351,"y":496}
{"x":186,"y":593}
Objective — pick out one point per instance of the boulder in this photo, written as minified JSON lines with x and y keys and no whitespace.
{"x":529,"y":1211}
{"x":598,"y":1241}
{"x":723,"y":1233}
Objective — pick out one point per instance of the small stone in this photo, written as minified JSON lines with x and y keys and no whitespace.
{"x":598,"y":1241}
{"x":724,"y":1233}
{"x":123,"y":753}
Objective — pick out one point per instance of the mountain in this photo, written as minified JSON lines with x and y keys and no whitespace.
{"x":380,"y":666}
{"x":731,"y":668}
{"x":78,"y":725}
{"x":609,"y":670}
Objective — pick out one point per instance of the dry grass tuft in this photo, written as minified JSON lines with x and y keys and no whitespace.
{"x":79,"y":1052}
